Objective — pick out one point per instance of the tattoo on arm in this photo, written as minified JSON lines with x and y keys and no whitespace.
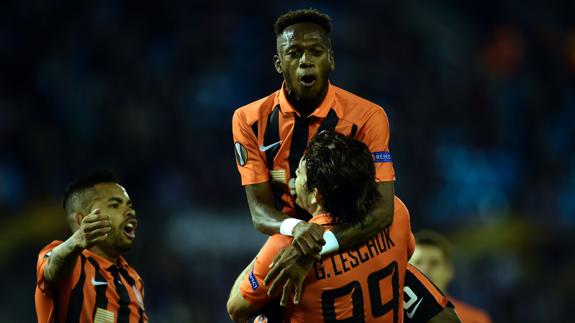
{"x":61,"y":261}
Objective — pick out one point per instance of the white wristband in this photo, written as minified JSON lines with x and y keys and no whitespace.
{"x":331,"y":243}
{"x":287,"y":226}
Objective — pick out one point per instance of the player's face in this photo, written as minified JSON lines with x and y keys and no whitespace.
{"x":431,"y":261}
{"x":305,"y":59}
{"x":113,"y":201}
{"x":303,"y":197}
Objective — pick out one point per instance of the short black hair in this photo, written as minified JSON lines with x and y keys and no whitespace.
{"x":79,"y":185}
{"x":434,"y":239}
{"x":342,"y":170}
{"x":301,"y":16}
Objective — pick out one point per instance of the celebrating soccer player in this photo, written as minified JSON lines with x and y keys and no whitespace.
{"x":270,"y":136}
{"x":85,"y":278}
{"x":336,"y":184}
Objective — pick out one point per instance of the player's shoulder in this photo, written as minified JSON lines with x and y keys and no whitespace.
{"x":49,"y":247}
{"x":353,"y":103}
{"x":254,"y":111}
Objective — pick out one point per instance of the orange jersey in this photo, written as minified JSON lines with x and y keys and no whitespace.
{"x":468,"y":313}
{"x":361,"y":284}
{"x":422,"y":299}
{"x":96,"y":291}
{"x":270,"y":137}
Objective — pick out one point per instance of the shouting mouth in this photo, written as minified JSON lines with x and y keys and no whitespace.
{"x":307,"y":80}
{"x":129,"y":228}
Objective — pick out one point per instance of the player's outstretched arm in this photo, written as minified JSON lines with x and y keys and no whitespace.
{"x":94,"y":228}
{"x":448,"y":315}
{"x":374,"y":222}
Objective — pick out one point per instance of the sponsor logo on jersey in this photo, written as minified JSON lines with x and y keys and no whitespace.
{"x":382,"y":157}
{"x":253,"y":281}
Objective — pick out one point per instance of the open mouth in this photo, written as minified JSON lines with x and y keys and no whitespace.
{"x":129,"y":228}
{"x":307,"y":80}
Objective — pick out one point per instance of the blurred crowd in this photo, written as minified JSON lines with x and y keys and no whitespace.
{"x":480,"y":97}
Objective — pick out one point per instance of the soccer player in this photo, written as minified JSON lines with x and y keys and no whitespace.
{"x":271,"y":134}
{"x":85,"y":278}
{"x":335,"y":183}
{"x":431,"y":256}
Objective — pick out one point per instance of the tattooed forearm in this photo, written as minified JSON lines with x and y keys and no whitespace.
{"x":61,"y":261}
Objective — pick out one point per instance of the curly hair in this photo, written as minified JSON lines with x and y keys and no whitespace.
{"x":342,"y":170}
{"x":301,"y":16}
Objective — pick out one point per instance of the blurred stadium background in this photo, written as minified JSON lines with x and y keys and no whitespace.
{"x":480,"y":96}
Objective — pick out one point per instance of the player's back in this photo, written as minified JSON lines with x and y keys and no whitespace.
{"x":363,"y":284}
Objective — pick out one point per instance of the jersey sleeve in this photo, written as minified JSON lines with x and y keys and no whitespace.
{"x":375,"y":135}
{"x":252,"y":287}
{"x":43,"y":257}
{"x":252,"y":167}
{"x":422,"y":299}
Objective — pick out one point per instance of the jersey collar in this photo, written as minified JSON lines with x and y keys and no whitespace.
{"x":320,"y":112}
{"x":104,"y":262}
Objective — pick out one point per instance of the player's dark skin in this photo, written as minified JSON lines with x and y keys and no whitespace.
{"x":305,"y":59}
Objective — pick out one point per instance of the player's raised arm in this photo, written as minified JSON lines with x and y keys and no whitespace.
{"x":380,"y":218}
{"x":93,"y":228}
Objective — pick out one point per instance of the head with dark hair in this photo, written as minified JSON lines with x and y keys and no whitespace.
{"x":301,"y":16}
{"x":304,"y":56}
{"x":100,"y":190}
{"x":432,"y":256}
{"x":77,"y":191}
{"x":337,"y":175}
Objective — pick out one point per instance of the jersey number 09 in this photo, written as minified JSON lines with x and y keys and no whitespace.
{"x":378,"y":309}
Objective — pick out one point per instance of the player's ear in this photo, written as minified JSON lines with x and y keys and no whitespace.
{"x":77,"y":217}
{"x":316,"y":199}
{"x":278,"y":64}
{"x":331,"y":60}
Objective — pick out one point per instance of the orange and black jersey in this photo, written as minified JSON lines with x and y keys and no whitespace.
{"x":96,"y":291}
{"x":270,"y":137}
{"x":422,"y":299}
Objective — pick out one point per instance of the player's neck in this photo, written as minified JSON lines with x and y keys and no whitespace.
{"x":305,"y":106}
{"x":105,"y":253}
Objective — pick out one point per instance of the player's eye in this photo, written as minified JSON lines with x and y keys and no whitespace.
{"x":114,"y":206}
{"x":293,"y":54}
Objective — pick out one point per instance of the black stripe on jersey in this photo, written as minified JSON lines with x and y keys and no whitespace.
{"x":132,"y":283}
{"x":353,"y":131}
{"x":255,"y":129}
{"x":101,"y":299}
{"x":298,"y":142}
{"x":123,"y":297}
{"x":77,"y":295}
{"x":272,"y":135}
{"x":329,"y":122}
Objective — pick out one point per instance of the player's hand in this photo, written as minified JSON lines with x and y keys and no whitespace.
{"x":288,"y":270}
{"x":94,"y":228}
{"x":308,"y":238}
